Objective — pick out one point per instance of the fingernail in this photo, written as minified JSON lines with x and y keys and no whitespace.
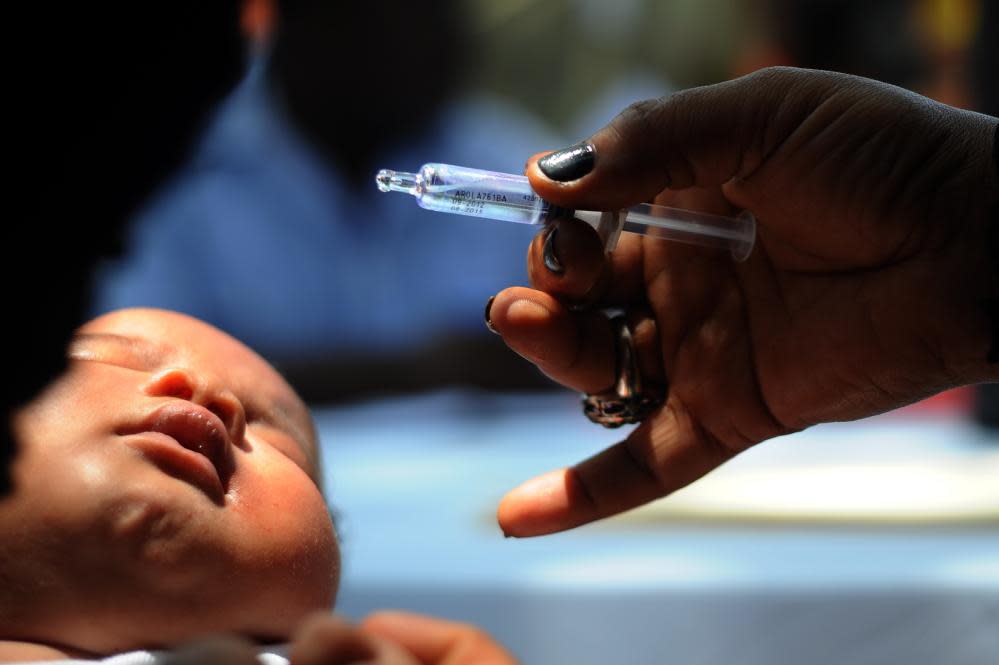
{"x":569,"y":163}
{"x":489,"y":323}
{"x":549,"y":255}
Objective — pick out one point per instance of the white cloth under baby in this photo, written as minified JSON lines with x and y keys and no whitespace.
{"x":270,"y":655}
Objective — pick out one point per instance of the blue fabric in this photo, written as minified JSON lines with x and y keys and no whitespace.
{"x":260,"y":237}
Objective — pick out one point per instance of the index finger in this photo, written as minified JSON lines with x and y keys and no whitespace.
{"x":666,"y":452}
{"x":697,"y":137}
{"x":567,"y":260}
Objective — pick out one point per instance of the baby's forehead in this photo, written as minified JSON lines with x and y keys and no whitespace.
{"x":151,"y":322}
{"x":177,"y":336}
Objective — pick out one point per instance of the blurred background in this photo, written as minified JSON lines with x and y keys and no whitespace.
{"x":867,"y":542}
{"x":286,"y":242}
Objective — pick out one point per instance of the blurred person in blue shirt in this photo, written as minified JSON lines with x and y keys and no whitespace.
{"x":275,"y":232}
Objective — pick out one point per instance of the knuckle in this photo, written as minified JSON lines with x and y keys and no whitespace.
{"x":776,"y":74}
{"x":780,"y":82}
{"x":640,"y":119}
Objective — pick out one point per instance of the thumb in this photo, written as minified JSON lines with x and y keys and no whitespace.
{"x":698,"y":137}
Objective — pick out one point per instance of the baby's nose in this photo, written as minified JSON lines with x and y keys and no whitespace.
{"x":204,"y":391}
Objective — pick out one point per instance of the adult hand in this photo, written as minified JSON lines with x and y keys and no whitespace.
{"x":394,"y":638}
{"x":864,"y":292}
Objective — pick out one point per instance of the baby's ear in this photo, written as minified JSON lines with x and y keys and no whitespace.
{"x":221,"y":650}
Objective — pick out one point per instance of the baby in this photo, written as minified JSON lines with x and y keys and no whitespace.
{"x":165,"y":488}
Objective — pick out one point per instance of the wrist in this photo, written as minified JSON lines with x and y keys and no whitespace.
{"x":972,"y":340}
{"x":992,"y":246}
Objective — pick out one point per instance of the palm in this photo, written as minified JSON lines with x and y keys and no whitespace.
{"x":809,"y":329}
{"x":751,"y":352}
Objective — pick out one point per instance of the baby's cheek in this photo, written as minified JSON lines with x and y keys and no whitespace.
{"x":285,"y":528}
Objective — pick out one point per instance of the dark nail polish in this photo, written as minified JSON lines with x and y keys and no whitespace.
{"x":549,"y":255}
{"x":569,"y":163}
{"x":489,"y":323}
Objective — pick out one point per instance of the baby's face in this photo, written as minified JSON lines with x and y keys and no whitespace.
{"x":165,"y":487}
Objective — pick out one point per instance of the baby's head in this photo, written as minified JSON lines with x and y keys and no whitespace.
{"x":165,"y":487}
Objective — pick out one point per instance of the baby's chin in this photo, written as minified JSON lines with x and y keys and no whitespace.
{"x":260,"y":613}
{"x":170,"y":580}
{"x":259,"y":594}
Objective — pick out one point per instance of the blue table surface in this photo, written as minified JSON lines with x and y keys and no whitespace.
{"x":414,"y":483}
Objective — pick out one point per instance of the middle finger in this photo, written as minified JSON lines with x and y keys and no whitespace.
{"x":575,"y":348}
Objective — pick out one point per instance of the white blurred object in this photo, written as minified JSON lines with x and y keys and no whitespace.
{"x":931,"y":489}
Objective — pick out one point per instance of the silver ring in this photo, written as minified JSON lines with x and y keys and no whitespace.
{"x":628,"y":401}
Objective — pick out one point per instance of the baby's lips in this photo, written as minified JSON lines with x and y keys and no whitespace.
{"x":195,"y":428}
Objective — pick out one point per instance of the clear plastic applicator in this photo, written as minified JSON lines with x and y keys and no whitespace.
{"x":509,"y":198}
